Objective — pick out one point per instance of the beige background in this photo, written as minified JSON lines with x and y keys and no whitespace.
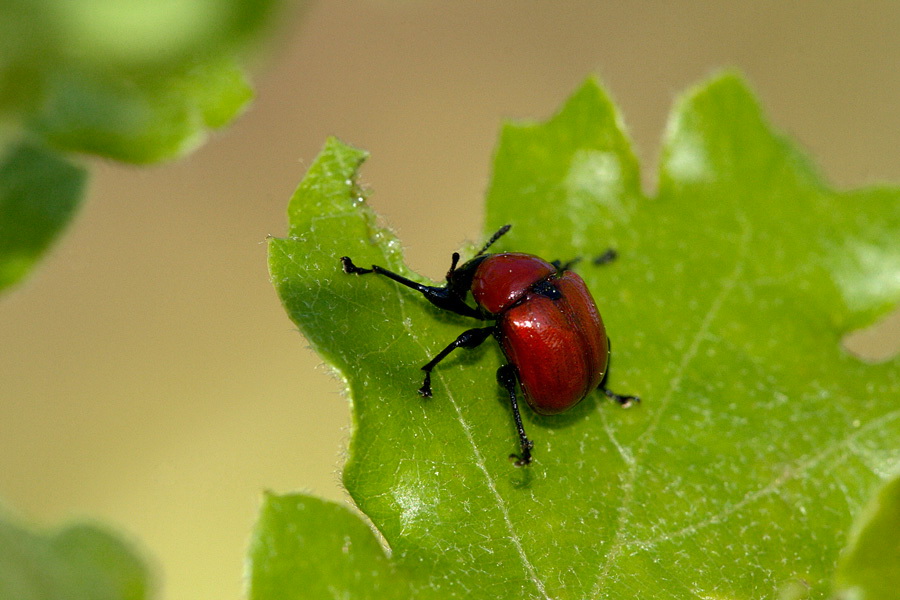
{"x":149,"y":377}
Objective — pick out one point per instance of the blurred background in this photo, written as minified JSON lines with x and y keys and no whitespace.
{"x":149,"y":377}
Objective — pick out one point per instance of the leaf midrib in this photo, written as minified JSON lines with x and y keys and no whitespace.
{"x":480,"y":463}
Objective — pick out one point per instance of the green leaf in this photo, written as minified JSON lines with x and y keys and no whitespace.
{"x":758,"y":438}
{"x":80,"y":562}
{"x":870,"y":567}
{"x":39,"y":193}
{"x":139,"y":118}
{"x":131,"y":80}
{"x":128,"y":79}
{"x":294,"y":533}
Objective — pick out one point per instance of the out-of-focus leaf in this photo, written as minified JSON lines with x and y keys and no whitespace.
{"x":80,"y":562}
{"x":39,"y":193}
{"x":131,"y":80}
{"x":870,"y":566}
{"x":137,"y":118}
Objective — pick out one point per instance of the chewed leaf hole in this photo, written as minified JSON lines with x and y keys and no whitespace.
{"x":877,"y":343}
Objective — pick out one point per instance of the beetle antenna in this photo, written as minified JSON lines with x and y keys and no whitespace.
{"x":494,"y":238}
{"x":453,"y":262}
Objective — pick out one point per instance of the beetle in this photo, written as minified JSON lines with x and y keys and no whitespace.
{"x":544,"y":319}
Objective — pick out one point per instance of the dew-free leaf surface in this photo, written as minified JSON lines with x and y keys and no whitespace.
{"x":79,"y":562}
{"x":758,"y":438}
{"x":869,"y":569}
{"x":39,"y":194}
{"x":130,"y":80}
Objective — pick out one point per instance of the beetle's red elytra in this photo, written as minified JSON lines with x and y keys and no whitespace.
{"x":545,"y":321}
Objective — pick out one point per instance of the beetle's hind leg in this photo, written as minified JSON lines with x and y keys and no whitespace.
{"x":623,"y":399}
{"x":506,"y":377}
{"x":471,"y":338}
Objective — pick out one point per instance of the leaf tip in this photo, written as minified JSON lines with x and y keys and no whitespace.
{"x":329,"y":184}
{"x":335,"y":146}
{"x":728,"y":86}
{"x":590,"y":97}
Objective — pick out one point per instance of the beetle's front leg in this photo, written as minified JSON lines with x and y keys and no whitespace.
{"x":441,"y":296}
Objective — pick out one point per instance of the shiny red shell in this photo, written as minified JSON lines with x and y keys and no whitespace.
{"x":557,"y":346}
{"x":501,"y":280}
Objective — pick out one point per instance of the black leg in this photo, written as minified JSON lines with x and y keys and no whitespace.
{"x":506,"y":376}
{"x":607,"y":257}
{"x":565,"y":266}
{"x":448,"y":297}
{"x":622,"y":399}
{"x":468,"y":339}
{"x":443,"y":297}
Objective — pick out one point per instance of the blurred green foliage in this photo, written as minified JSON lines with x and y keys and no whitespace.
{"x":870,"y":567}
{"x":133,"y":80}
{"x":39,"y":191}
{"x":79,"y":562}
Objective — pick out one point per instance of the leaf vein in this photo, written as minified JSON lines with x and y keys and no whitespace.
{"x":482,"y":466}
{"x":700,"y":336}
{"x":792,"y":471}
